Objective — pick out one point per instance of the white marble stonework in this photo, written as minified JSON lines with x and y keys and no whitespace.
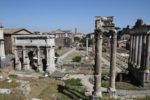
{"x":38,"y":52}
{"x":2,"y":49}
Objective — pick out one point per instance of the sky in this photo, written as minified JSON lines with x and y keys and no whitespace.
{"x":49,"y":15}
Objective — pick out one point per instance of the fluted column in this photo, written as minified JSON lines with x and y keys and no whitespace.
{"x":97,"y":69}
{"x":146,"y":72}
{"x":136,"y":49}
{"x":139,"y":51}
{"x":133,"y":49}
{"x":131,"y":45}
{"x":113,"y":60}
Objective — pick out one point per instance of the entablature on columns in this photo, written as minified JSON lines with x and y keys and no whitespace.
{"x":139,"y":32}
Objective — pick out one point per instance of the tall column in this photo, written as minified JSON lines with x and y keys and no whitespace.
{"x":133,"y":50}
{"x":50,"y":60}
{"x":87,"y":47}
{"x":131,"y":45}
{"x":2,"y":49}
{"x":17,"y":61}
{"x":97,"y":70}
{"x":136,"y":50}
{"x":139,"y":51}
{"x":25,"y":59}
{"x":39,"y":67}
{"x":113,"y":61}
{"x":147,"y":58}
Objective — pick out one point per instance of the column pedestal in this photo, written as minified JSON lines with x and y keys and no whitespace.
{"x":17,"y":61}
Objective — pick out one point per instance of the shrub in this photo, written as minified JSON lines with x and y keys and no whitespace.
{"x":56,"y":54}
{"x":76,"y":59}
{"x":74,"y":82}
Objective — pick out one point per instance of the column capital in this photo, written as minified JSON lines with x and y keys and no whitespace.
{"x":98,"y":32}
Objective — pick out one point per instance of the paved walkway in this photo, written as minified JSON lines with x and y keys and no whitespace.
{"x":66,"y":54}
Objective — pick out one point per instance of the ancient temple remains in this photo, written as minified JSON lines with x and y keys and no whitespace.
{"x":139,"y":60}
{"x":104,"y":24}
{"x":34,"y":52}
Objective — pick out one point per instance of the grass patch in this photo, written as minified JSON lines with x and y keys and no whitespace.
{"x":12,"y":76}
{"x":5,"y":84}
{"x":74,"y":82}
{"x":126,"y":86}
{"x":105,"y":71}
{"x":105,"y":84}
{"x":73,"y":89}
{"x":144,"y":98}
{"x":12,"y":96}
{"x":76,"y":59}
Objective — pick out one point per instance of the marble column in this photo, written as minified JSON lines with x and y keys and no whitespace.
{"x":131,"y":45}
{"x":87,"y":47}
{"x":133,"y":50}
{"x":25,"y":59}
{"x":2,"y":48}
{"x":17,"y":61}
{"x":98,"y":60}
{"x":146,"y":72}
{"x":113,"y":61}
{"x":139,"y":51}
{"x":50,"y":60}
{"x":39,"y":67}
{"x":136,"y":50}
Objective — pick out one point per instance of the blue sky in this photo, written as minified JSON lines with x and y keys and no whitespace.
{"x":48,"y":15}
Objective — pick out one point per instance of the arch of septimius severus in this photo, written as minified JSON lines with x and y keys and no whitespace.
{"x":34,"y":52}
{"x":2,"y":49}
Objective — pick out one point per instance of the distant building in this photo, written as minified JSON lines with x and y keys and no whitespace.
{"x":8,"y":40}
{"x":80,"y":35}
{"x":63,"y":38}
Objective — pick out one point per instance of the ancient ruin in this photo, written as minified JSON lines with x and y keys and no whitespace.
{"x":139,"y":60}
{"x":34,"y":52}
{"x":104,"y":24}
{"x":2,"y":49}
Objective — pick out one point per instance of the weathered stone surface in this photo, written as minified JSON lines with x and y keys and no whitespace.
{"x":5,"y":91}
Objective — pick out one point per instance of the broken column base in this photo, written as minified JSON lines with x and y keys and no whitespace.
{"x":26,"y":67}
{"x":40,"y":69}
{"x":50,"y":69}
{"x":146,"y":76}
{"x":18,"y":66}
{"x":97,"y":95}
{"x":112,"y":92}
